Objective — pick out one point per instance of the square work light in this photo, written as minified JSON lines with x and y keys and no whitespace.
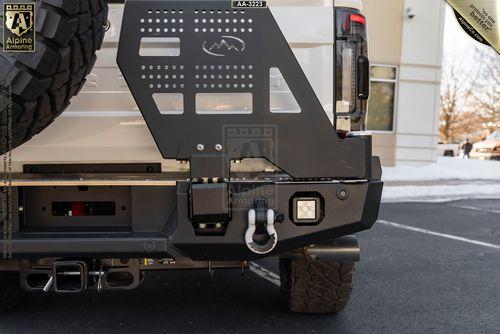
{"x":306,"y":210}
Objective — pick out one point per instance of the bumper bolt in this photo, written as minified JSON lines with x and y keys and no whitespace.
{"x":342,"y":194}
{"x":149,"y":246}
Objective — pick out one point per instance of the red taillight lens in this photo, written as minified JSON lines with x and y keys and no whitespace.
{"x":352,"y":24}
{"x":357,"y":18}
{"x":353,"y":78}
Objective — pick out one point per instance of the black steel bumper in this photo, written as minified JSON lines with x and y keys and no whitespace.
{"x":160,"y":225}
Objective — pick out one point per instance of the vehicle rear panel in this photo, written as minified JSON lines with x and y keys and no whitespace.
{"x":104,"y":125}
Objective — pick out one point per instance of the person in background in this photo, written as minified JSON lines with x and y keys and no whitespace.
{"x":467,"y":148}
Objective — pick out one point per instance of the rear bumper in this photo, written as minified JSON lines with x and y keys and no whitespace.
{"x":159,"y":225}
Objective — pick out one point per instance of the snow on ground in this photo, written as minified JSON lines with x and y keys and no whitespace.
{"x":442,"y":193}
{"x":467,"y":179}
{"x":445,"y":169}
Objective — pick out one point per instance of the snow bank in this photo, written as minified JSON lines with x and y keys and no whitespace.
{"x":445,"y":169}
{"x":480,"y":180}
{"x":441,"y":193}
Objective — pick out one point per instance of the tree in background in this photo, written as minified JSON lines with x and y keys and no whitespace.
{"x":487,"y":94}
{"x":470,"y":96}
{"x":457,"y":88}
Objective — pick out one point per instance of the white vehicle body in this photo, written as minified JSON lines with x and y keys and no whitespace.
{"x":488,"y":149}
{"x":104,"y":125}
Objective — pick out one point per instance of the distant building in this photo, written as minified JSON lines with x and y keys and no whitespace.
{"x":406,"y":56}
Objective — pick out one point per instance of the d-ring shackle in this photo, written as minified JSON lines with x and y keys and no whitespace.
{"x":252,"y":226}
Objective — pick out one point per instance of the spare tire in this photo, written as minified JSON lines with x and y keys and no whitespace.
{"x":41,"y":84}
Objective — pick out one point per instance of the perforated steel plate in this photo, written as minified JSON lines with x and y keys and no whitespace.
{"x":199,"y":55}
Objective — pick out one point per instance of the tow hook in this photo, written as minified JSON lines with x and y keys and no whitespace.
{"x":261,"y":215}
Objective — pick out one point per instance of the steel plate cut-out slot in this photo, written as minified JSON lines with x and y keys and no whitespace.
{"x":160,"y":47}
{"x":224,"y":103}
{"x":282,"y":99}
{"x":169,"y":103}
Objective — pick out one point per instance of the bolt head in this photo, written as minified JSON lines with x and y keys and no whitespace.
{"x":200,"y":147}
{"x":149,"y":246}
{"x":218,"y":147}
{"x":342,"y":194}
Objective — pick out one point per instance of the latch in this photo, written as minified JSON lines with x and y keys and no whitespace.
{"x":210,"y":206}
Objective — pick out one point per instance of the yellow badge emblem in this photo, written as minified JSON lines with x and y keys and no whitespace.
{"x":19,"y":27}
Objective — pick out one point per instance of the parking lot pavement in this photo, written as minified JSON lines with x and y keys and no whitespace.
{"x":426,"y":268}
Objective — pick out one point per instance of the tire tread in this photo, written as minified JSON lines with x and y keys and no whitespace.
{"x":315,"y":286}
{"x":69,"y":32}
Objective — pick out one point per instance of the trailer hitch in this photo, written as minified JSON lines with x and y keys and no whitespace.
{"x":261,"y":221}
{"x":68,"y":277}
{"x":99,"y":275}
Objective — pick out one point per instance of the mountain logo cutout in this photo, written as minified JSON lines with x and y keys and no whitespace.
{"x":226,"y":46}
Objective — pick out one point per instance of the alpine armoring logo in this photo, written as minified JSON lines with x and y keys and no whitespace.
{"x":19,"y":27}
{"x":226,"y":46}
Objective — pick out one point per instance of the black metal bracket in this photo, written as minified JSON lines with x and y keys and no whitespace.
{"x":224,"y":50}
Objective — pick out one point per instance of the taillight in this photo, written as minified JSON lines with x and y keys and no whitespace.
{"x":353,"y":67}
{"x":358,"y":18}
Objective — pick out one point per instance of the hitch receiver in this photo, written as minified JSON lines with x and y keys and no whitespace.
{"x":69,"y":276}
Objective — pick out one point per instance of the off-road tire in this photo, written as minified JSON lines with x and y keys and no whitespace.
{"x":314,"y":286}
{"x":10,"y":290}
{"x":68,"y":34}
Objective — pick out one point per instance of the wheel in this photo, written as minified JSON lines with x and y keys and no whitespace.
{"x":10,"y":290}
{"x":68,"y":34}
{"x":315,"y":286}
